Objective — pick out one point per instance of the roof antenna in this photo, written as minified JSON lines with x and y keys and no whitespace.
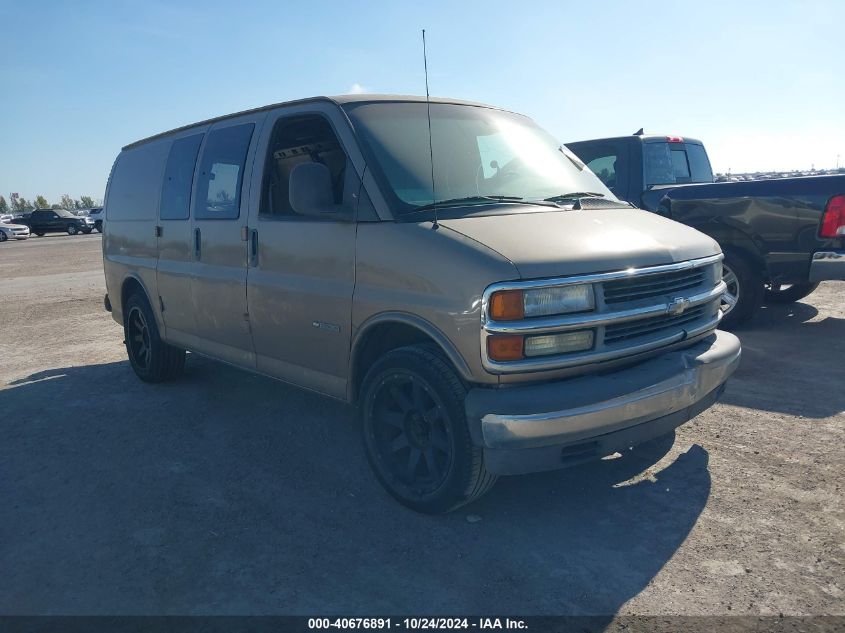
{"x":430,"y":147}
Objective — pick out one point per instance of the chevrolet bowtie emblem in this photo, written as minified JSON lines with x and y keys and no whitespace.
{"x":677,"y":306}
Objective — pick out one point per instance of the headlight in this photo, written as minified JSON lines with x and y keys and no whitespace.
{"x":558,"y":300}
{"x":514,"y":305}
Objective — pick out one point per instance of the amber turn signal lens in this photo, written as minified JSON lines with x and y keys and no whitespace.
{"x":507,"y":305}
{"x":505,"y":347}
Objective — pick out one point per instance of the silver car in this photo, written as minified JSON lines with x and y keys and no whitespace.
{"x":470,"y":286}
{"x":10,"y":231}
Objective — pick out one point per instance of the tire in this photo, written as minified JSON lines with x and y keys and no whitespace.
{"x":415,"y":432}
{"x":3,"y":236}
{"x":99,"y":227}
{"x":72,"y":230}
{"x":152,"y":359}
{"x":87,"y":231}
{"x":39,"y":233}
{"x":777,"y":293}
{"x":745,"y":285}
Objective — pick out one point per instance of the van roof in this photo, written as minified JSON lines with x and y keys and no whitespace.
{"x":338,"y":100}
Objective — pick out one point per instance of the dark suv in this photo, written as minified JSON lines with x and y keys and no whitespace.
{"x":42,"y":221}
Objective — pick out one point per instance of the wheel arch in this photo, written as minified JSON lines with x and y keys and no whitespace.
{"x":132,"y":284}
{"x":387,"y":331}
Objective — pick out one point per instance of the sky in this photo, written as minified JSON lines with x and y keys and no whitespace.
{"x":761,"y":83}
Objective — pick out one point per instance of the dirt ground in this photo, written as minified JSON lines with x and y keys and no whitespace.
{"x":228,"y":493}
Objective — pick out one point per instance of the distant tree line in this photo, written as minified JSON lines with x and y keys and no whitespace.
{"x":20,"y":205}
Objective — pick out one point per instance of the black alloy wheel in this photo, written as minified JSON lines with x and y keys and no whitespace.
{"x":138,"y":339}
{"x":152,"y":359}
{"x":410,"y":432}
{"x":415,"y":431}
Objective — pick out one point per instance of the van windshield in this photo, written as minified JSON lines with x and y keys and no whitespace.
{"x":479,"y":153}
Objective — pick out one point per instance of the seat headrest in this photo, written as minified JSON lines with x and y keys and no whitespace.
{"x":310,"y":191}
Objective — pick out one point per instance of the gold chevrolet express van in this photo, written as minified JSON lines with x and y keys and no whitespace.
{"x":491,"y":310}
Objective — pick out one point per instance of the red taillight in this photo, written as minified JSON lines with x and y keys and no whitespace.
{"x":833,"y":220}
{"x":674,"y":139}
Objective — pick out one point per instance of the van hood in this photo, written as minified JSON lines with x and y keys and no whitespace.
{"x":562,"y":243}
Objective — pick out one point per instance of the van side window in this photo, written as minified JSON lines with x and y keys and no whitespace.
{"x":178,"y":178}
{"x":222,"y":173}
{"x":296,"y":140}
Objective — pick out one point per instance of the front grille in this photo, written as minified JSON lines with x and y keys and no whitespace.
{"x":647,"y":286}
{"x":644,"y":327}
{"x":634,"y":313}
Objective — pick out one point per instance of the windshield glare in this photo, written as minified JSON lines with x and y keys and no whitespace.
{"x":477,"y":152}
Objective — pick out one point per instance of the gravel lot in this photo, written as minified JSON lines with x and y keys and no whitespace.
{"x":230,"y":493}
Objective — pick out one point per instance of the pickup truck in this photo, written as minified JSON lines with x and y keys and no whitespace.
{"x":43,"y":221}
{"x":780,"y":237}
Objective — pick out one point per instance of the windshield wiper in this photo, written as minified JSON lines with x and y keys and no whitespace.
{"x":452,"y":202}
{"x":457,"y":201}
{"x":574,"y":196}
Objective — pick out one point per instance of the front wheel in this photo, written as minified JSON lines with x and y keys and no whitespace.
{"x":415,"y":432}
{"x":744,"y":292}
{"x":152,"y":359}
{"x":3,"y":236}
{"x":783,"y":293}
{"x":72,"y":230}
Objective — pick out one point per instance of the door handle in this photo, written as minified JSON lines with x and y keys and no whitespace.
{"x":253,"y":248}
{"x":197,"y":244}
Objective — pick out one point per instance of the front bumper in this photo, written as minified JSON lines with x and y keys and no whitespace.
{"x":553,"y":425}
{"x":828,"y":266}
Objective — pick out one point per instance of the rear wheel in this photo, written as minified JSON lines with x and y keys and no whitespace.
{"x":72,"y":230}
{"x":785,"y":293}
{"x":39,"y":233}
{"x":415,"y":432}
{"x":3,"y":236}
{"x":152,"y":359}
{"x":744,"y":292}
